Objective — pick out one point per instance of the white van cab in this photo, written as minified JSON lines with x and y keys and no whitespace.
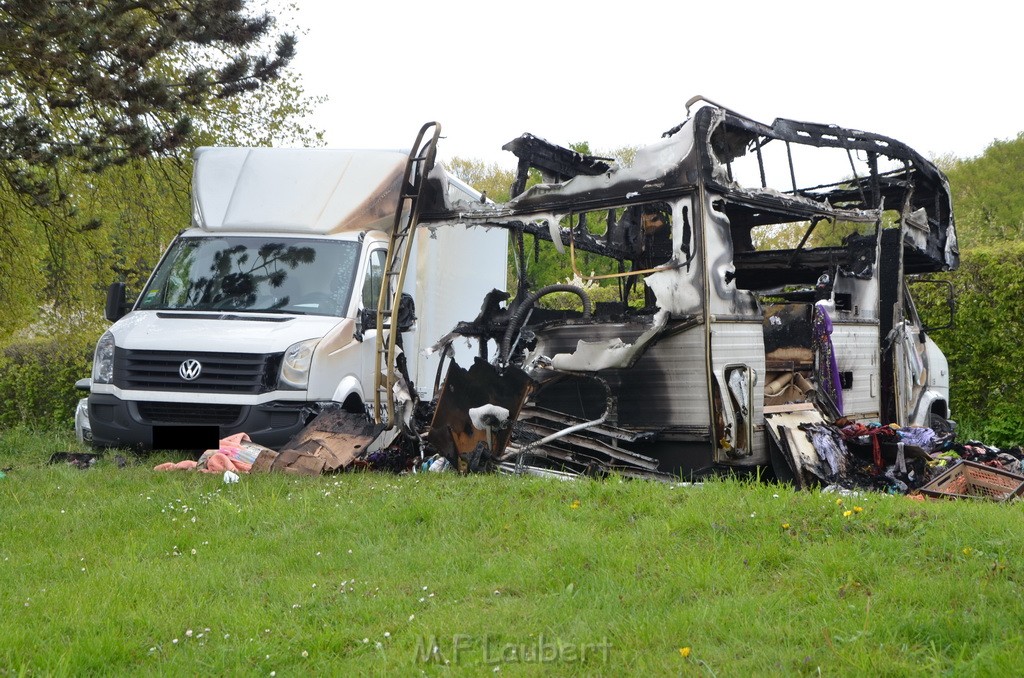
{"x":254,"y":317}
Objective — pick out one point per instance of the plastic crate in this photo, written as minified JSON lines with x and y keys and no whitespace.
{"x":969,"y":480}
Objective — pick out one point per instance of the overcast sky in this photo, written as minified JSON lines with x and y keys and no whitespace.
{"x":618,"y":74}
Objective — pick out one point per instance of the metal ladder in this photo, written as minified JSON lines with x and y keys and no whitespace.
{"x":421,"y":161}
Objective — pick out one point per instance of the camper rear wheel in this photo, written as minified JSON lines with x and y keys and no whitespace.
{"x":940,"y":424}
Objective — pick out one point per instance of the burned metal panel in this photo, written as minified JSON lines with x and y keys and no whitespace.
{"x":725,"y":295}
{"x":679,"y":288}
{"x":665,"y":389}
{"x":452,"y":430}
{"x":664,"y":170}
{"x":788,"y":342}
{"x":855,"y":297}
{"x":612,"y":352}
{"x":582,"y":397}
{"x":856,"y":349}
{"x":560,"y":338}
{"x":661,"y":170}
{"x":439,"y":291}
{"x":555,"y":163}
{"x":735,"y":345}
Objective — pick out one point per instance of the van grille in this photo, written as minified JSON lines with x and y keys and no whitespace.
{"x":220,"y":372}
{"x":193,"y":413}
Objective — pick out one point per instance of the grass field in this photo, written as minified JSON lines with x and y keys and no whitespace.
{"x":128,"y":571}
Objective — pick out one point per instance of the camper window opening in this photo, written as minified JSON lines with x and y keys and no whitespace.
{"x":254,"y":274}
{"x":810,"y":234}
{"x":761,"y":162}
{"x":609,"y":251}
{"x":639,"y":233}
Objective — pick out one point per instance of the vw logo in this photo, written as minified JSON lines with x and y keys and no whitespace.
{"x":190,"y":369}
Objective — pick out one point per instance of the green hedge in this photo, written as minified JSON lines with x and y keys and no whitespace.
{"x":37,"y":379}
{"x":985,"y":347}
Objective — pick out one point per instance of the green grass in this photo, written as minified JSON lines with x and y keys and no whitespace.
{"x":101,"y":571}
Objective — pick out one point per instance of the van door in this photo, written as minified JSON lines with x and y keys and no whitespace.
{"x":373,"y":281}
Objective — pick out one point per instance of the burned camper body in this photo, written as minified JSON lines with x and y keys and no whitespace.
{"x":749,"y":287}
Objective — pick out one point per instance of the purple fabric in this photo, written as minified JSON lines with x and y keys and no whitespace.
{"x":827,"y":368}
{"x":924,"y":438}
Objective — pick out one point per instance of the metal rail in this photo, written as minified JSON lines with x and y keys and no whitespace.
{"x":386,"y":376}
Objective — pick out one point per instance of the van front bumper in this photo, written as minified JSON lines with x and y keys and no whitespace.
{"x":148,"y":425}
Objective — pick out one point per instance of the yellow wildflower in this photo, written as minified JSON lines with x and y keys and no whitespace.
{"x":839,"y":502}
{"x":847,"y":514}
{"x":575,"y":504}
{"x":684,"y":652}
{"x":858,"y":509}
{"x":785,"y":526}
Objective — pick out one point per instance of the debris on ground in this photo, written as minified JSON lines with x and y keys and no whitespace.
{"x":336,"y":438}
{"x":919,"y":462}
{"x":472,"y":431}
{"x":84,"y":460}
{"x":80,"y":460}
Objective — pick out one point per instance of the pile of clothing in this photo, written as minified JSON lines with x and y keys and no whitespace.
{"x":897,"y":459}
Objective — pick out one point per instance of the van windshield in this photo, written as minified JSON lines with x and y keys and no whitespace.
{"x":254,"y":274}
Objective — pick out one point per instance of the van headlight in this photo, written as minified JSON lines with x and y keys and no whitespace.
{"x":103,"y":360}
{"x":295,"y":366}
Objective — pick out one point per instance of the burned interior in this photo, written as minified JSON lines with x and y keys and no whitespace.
{"x":759,"y":270}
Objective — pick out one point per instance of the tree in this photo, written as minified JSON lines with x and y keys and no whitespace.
{"x":113,"y":225}
{"x":53,"y":253}
{"x":987,"y":199}
{"x":491,"y":178}
{"x":101,"y":82}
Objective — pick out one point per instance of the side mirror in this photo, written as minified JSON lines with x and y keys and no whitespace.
{"x":117,"y":304}
{"x":367,"y":320}
{"x":406,"y":315}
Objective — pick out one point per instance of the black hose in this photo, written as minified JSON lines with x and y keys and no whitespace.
{"x":522,"y":311}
